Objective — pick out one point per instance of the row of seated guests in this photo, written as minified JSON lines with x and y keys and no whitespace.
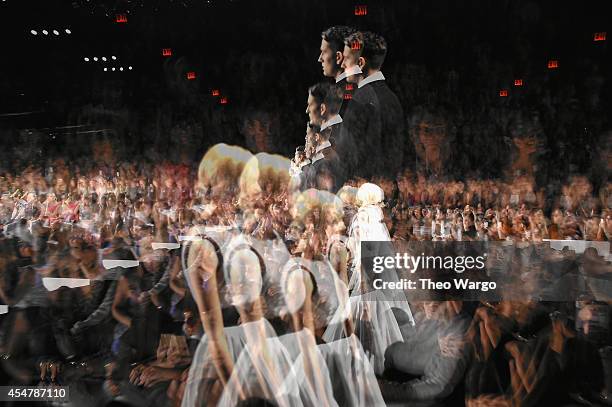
{"x":264,"y":303}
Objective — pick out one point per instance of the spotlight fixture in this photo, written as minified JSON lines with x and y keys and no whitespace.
{"x":68,"y":31}
{"x":104,"y":59}
{"x":55,"y":32}
{"x":33,"y":32}
{"x":113,"y":57}
{"x":95,"y":59}
{"x":45,"y":32}
{"x":113,"y":68}
{"x":130,"y":67}
{"x":86,"y":59}
{"x":121,"y":68}
{"x":105,"y":69}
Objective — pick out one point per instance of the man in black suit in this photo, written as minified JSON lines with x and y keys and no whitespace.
{"x":331,"y":56}
{"x":333,"y":146}
{"x":325,"y":170}
{"x":375,"y":116}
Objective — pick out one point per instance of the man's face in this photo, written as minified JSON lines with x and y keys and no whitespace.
{"x":350,"y":60}
{"x":327,"y":58}
{"x":313,"y":111}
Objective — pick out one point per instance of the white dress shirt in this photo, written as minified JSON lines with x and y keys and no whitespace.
{"x":378,"y":76}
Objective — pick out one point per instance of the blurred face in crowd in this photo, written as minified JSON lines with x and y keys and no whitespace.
{"x":431,"y":136}
{"x":329,"y":59}
{"x":432,"y":308}
{"x":557,"y":217}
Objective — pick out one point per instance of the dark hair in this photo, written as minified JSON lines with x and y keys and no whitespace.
{"x":315,"y":128}
{"x":354,"y":40}
{"x":333,"y":99}
{"x":328,"y":94}
{"x":319,"y":91}
{"x":374,"y":50}
{"x":255,"y":402}
{"x":335,"y":36}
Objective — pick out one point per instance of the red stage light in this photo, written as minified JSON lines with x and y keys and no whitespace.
{"x":167,"y":52}
{"x":215,"y":92}
{"x":191,"y":75}
{"x":361,"y":10}
{"x":518,"y":82}
{"x":223,"y":100}
{"x":121,"y":18}
{"x":599,"y":36}
{"x":553,"y":64}
{"x":503,"y":93}
{"x":348,"y":96}
{"x":349,"y":86}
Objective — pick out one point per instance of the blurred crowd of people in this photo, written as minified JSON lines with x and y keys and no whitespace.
{"x":138,"y":329}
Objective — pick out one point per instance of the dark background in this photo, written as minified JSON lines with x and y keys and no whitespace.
{"x":452,"y":57}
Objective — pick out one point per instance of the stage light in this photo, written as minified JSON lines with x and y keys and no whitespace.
{"x":121,"y":68}
{"x":599,"y":36}
{"x":553,"y":64}
{"x":191,"y":75}
{"x":86,"y":59}
{"x":113,"y":68}
{"x":215,"y":92}
{"x":68,"y":31}
{"x":167,"y":52}
{"x":55,"y":32}
{"x":223,"y":100}
{"x":121,"y":18}
{"x":518,"y":82}
{"x":130,"y":67}
{"x":45,"y":32}
{"x":95,"y":59}
{"x":503,"y":93}
{"x":361,"y":10}
{"x":113,"y":57}
{"x":33,"y":32}
{"x":105,"y":69}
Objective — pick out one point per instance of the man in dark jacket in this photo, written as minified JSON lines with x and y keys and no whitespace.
{"x":331,"y":58}
{"x":375,"y":115}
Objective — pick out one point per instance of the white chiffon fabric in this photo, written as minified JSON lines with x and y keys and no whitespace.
{"x":331,"y":294}
{"x":374,"y":323}
{"x":263,"y":370}
{"x":367,"y":226}
{"x":370,"y":310}
{"x":351,"y":373}
{"x":202,"y":367}
{"x":309,"y":369}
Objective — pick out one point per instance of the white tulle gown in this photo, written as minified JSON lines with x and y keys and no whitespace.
{"x":370,"y":310}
